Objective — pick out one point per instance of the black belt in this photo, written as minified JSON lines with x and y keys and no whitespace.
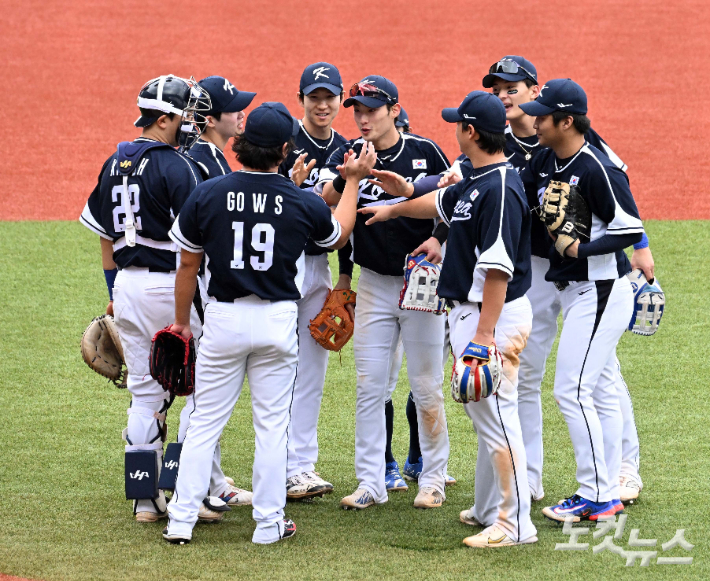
{"x":560,"y":285}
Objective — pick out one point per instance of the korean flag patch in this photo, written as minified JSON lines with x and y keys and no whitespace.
{"x":419,"y":163}
{"x":574,"y":181}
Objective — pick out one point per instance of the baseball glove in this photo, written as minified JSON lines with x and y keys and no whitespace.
{"x":421,"y":279}
{"x":477,"y":373}
{"x":333,"y":326}
{"x":649,"y":304}
{"x":102,"y":351}
{"x":172,"y":362}
{"x":566,"y":215}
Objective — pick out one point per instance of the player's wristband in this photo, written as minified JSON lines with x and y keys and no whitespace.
{"x":339,"y":184}
{"x":110,"y":279}
{"x":643,"y":243}
{"x":441,"y":232}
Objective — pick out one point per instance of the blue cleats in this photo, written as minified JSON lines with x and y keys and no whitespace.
{"x":411,"y":472}
{"x":579,"y":509}
{"x":393,"y":479}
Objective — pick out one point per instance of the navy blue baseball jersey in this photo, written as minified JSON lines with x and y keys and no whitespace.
{"x":383,"y":246}
{"x":605,"y":188}
{"x":211,"y":157}
{"x":318,"y":149}
{"x":253,"y":228}
{"x":162,"y":180}
{"x":489,"y":222}
{"x":541,"y":241}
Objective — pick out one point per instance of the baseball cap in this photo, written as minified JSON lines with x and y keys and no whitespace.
{"x":270,"y":125}
{"x":321,"y":76}
{"x":483,"y":110}
{"x":510,"y":68}
{"x":402,"y":119}
{"x":226,"y":98}
{"x":373,"y":91}
{"x":558,"y":95}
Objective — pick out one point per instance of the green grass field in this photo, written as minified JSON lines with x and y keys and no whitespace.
{"x":63,"y":514}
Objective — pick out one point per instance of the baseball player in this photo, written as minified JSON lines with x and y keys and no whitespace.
{"x":320,"y":95}
{"x":139,"y":191}
{"x":380,"y":251}
{"x":485,"y":276}
{"x":514,"y":80}
{"x":225,"y":119}
{"x":595,"y":295}
{"x":253,"y":226}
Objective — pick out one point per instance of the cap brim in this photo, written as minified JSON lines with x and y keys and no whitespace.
{"x":536,"y":109}
{"x":370,"y":102}
{"x":399,"y":123}
{"x":144,"y":121}
{"x":332,"y":88}
{"x":296,"y":127}
{"x":488,"y":80}
{"x":451,"y":115}
{"x":240,"y":102}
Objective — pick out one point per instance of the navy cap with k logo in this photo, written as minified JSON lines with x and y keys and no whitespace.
{"x":558,"y":95}
{"x":321,"y":76}
{"x":226,"y":98}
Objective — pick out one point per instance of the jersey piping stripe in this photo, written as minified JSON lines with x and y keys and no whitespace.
{"x":192,"y":171}
{"x":631,"y":405}
{"x":439,"y":207}
{"x":177,"y":236}
{"x":512,"y":461}
{"x":603,"y":289}
{"x":429,"y":141}
{"x":333,"y":238}
{"x":90,"y":222}
{"x":617,"y":230}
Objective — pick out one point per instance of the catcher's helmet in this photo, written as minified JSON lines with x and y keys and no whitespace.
{"x":184,"y":97}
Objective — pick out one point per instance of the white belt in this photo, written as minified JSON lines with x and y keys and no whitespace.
{"x":157,"y":244}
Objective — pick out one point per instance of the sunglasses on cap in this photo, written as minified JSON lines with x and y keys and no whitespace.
{"x":510,"y":67}
{"x":370,"y":90}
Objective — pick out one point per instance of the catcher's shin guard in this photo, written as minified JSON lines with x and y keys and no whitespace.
{"x":171,"y":463}
{"x":142,"y":472}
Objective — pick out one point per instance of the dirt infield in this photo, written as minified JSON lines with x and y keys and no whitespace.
{"x":73,"y":70}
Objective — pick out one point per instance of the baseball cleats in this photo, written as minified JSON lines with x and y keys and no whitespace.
{"x":629,"y":489}
{"x":212,"y":509}
{"x":411,"y":472}
{"x":359,"y":499}
{"x":146,"y":516}
{"x":579,"y":509}
{"x":234,"y":496}
{"x":467,"y":518}
{"x":279,"y":531}
{"x":493,"y":538}
{"x":393,"y":479}
{"x":429,"y":497}
{"x":176,"y":539}
{"x":306,"y":485}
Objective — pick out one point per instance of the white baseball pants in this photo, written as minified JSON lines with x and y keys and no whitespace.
{"x":257,"y":339}
{"x":144,"y":303}
{"x":502,"y":494}
{"x":312,"y":367}
{"x":546,"y":306}
{"x":595,"y":316}
{"x":379,"y":323}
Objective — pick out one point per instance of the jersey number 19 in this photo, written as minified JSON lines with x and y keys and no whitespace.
{"x":262,"y":240}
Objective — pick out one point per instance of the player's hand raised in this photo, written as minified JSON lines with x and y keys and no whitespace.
{"x":300,"y":170}
{"x":392,"y":183}
{"x":379,"y":213}
{"x":359,"y":167}
{"x":341,"y":167}
{"x":449,"y":179}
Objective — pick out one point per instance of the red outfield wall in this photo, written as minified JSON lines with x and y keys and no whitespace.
{"x":72,"y":70}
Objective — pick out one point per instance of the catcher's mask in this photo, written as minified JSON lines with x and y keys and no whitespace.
{"x":184,"y":97}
